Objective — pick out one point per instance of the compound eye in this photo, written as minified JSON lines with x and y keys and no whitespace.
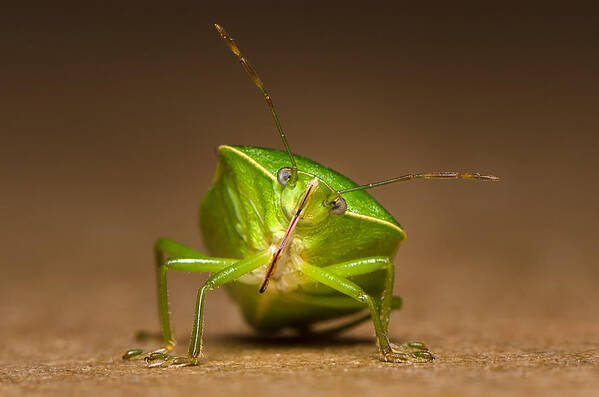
{"x":338,"y":206}
{"x":283,"y":175}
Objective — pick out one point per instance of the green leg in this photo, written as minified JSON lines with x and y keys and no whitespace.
{"x":350,"y":269}
{"x":388,"y":301}
{"x":167,"y":247}
{"x":188,"y":260}
{"x":369,"y":265}
{"x":386,"y":350}
{"x":226,"y":275}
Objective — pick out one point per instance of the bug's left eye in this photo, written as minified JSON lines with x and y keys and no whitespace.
{"x":283,"y":175}
{"x":338,"y":207}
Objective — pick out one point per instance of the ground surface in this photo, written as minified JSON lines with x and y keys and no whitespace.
{"x":70,"y":343}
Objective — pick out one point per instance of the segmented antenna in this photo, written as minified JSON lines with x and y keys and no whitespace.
{"x":430,"y":175}
{"x":254,"y":76}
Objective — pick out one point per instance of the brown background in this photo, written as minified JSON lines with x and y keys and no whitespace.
{"x":110,"y":119}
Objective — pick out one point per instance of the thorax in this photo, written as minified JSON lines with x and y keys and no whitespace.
{"x":287,"y":276}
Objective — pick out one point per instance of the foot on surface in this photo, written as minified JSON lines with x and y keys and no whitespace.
{"x":409,"y":352}
{"x":166,"y":360}
{"x":133,"y":354}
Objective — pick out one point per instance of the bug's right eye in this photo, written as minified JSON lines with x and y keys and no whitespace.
{"x":338,"y":206}
{"x":283,"y":175}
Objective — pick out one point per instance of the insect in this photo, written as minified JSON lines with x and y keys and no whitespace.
{"x":294,"y":243}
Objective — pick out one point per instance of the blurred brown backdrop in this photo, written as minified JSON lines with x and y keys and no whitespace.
{"x":111,"y":114}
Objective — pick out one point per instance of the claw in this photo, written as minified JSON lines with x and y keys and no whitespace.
{"x":155,"y":364}
{"x":156,"y":359}
{"x":129,"y":354}
{"x":160,"y":359}
{"x":157,"y":356}
{"x":153,"y":355}
{"x":425,"y":355}
{"x":394,"y":357}
{"x":409,"y":352}
{"x":183,"y":361}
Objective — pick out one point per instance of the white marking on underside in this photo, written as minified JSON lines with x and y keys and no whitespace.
{"x":287,"y":276}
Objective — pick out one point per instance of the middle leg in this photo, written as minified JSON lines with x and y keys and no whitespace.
{"x":387,"y":351}
{"x":388,"y":302}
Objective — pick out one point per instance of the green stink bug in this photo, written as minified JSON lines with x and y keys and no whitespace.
{"x":304,"y":244}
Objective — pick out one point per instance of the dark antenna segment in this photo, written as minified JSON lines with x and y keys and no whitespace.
{"x":254,"y":76}
{"x":430,"y":175}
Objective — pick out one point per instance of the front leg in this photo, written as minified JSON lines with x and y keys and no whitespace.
{"x":226,"y":275}
{"x":410,"y":352}
{"x":188,"y":260}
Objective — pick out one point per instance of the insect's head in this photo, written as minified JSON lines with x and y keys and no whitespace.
{"x":306,"y":200}
{"x":311,"y":199}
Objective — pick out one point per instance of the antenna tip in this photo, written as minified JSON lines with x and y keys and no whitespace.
{"x":480,"y":177}
{"x":220,"y":30}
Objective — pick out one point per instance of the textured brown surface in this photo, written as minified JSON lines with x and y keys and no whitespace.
{"x":482,"y":348}
{"x":110,"y":119}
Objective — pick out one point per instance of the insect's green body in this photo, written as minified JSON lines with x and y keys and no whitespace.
{"x":321,"y":242}
{"x":242,"y":215}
